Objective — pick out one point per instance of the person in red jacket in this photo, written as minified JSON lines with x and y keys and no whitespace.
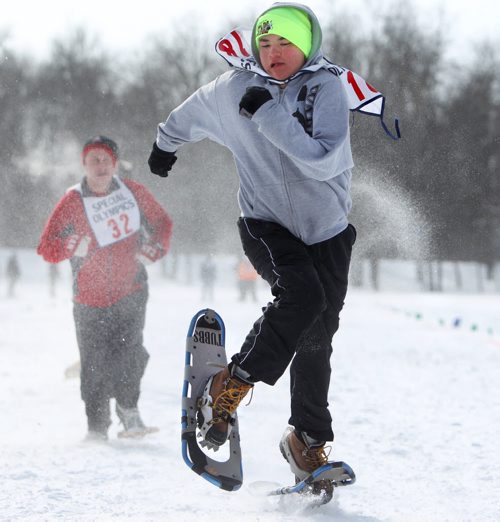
{"x":109,"y":229}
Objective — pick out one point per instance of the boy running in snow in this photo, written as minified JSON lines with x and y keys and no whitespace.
{"x":288,"y":130}
{"x":109,"y":229}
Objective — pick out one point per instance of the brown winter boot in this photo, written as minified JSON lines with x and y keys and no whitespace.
{"x":304,"y":456}
{"x":216,"y":407}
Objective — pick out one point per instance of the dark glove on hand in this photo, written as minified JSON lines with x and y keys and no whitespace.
{"x":160,"y":161}
{"x":253,"y":99}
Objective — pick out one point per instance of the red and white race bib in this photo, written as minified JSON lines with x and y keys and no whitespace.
{"x":235,"y":48}
{"x":112,"y":217}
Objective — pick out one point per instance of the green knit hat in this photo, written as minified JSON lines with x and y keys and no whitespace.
{"x":288,"y":22}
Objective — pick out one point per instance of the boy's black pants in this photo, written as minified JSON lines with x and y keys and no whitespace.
{"x":112,"y":356}
{"x":309,"y":283}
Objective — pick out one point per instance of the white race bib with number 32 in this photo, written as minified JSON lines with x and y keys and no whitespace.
{"x":113,"y":217}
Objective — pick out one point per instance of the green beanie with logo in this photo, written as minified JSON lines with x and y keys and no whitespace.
{"x":289,"y":23}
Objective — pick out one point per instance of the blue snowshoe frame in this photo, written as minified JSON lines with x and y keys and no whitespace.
{"x":202,"y":361}
{"x":340,"y":473}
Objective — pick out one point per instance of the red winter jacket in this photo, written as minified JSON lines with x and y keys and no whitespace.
{"x":105,"y":274}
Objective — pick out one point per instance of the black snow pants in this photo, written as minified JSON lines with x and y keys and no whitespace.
{"x":112,"y":356}
{"x":309,"y":283}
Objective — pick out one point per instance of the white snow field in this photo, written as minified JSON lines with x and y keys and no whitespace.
{"x":415,"y":401}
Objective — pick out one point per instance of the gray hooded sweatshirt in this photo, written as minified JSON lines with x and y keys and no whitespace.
{"x":293,"y":157}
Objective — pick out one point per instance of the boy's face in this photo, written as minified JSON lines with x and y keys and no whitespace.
{"x":279,"y":57}
{"x":100,"y":166}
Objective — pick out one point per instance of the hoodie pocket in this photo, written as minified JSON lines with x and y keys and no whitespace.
{"x":319,"y":206}
{"x":270,"y":203}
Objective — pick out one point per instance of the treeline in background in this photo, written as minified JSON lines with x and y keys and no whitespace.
{"x":431,"y":197}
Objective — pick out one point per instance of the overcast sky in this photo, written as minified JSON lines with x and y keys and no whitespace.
{"x":124,"y":26}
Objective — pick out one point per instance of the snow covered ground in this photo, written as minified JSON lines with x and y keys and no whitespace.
{"x":415,"y":398}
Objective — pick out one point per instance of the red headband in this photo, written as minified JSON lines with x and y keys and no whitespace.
{"x":92,"y":146}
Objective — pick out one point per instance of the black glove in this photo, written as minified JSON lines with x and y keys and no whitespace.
{"x":160,"y":161}
{"x":253,"y":99}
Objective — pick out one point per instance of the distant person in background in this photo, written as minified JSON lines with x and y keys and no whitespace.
{"x":247,"y":280}
{"x":13,"y":273}
{"x":109,"y":228}
{"x":208,"y":275}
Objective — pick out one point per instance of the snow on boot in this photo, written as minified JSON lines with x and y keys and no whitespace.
{"x":216,"y":407}
{"x":305,"y":455}
{"x":133,"y":425}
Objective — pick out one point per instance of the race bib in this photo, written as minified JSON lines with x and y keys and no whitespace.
{"x":112,"y":217}
{"x":235,"y":48}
